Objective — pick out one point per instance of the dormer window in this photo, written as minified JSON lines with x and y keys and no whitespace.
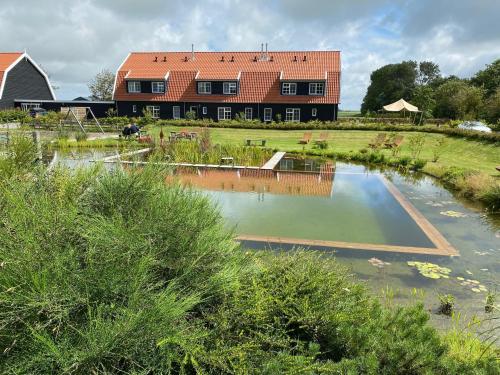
{"x":289,"y":88}
{"x":158,"y":87}
{"x":134,"y":86}
{"x":229,"y":88}
{"x":204,"y":87}
{"x":316,"y":88}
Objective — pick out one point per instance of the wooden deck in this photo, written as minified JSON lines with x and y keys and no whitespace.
{"x":273,"y":162}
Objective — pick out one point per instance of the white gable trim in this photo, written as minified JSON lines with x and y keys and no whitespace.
{"x":116,"y":75}
{"x":27,"y":57}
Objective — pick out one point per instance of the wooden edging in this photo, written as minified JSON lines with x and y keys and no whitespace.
{"x":441,"y":243}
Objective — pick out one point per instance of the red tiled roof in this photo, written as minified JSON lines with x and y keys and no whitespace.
{"x":259,"y":80}
{"x":6,"y":60}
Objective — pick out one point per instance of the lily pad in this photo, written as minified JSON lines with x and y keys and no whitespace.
{"x":430,"y":270}
{"x":453,"y":214}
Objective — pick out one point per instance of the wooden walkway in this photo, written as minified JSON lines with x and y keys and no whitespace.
{"x":273,"y":162}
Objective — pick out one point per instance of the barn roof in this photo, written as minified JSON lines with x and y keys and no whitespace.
{"x":9,"y":59}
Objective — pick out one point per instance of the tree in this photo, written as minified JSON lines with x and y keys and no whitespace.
{"x":101,"y":86}
{"x":457,"y":99}
{"x":423,"y":98}
{"x":428,"y":72}
{"x":488,"y":78}
{"x":492,"y":108}
{"x":390,"y":83}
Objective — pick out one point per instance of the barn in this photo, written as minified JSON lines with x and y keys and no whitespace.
{"x":21,"y":79}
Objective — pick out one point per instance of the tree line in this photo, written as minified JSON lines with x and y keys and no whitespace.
{"x":422,"y":84}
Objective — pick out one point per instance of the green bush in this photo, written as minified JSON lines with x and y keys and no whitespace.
{"x":114,"y":272}
{"x":14,"y":115}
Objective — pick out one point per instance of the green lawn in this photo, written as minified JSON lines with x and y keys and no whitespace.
{"x":456,"y":152}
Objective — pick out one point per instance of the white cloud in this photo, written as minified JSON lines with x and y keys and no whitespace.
{"x":75,"y":40}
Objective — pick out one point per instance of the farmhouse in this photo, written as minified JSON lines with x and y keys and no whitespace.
{"x":291,"y":86}
{"x":22,"y":79}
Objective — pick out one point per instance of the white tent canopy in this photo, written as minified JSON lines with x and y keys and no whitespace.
{"x":400,"y":105}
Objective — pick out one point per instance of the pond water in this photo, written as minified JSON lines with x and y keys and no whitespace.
{"x":354,"y":205}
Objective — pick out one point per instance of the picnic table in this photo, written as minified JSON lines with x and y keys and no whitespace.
{"x":182,"y":135}
{"x":255,"y":142}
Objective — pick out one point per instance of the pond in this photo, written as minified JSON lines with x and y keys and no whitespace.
{"x":378,"y":222}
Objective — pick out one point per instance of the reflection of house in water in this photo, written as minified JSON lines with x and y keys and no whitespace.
{"x":261,"y":181}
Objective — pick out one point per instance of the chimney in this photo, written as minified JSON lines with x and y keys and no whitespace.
{"x":232,"y":58}
{"x":192,"y":52}
{"x":156,"y":59}
{"x":164,"y":58}
{"x":295,"y":58}
{"x":305,"y":58}
{"x":222,"y":58}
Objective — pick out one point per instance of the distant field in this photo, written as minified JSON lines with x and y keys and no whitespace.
{"x":349,"y":113}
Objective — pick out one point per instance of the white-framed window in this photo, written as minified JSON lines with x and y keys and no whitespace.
{"x":158,"y":87}
{"x":314,"y":112}
{"x":316,"y":88}
{"x":204,"y":110}
{"x":134,"y":108}
{"x":229,"y":88}
{"x":176,"y":112}
{"x":289,"y":88}
{"x":292,"y":115}
{"x":248,"y":113}
{"x":155,"y":110}
{"x":28,"y":106}
{"x":204,"y":87}
{"x":268,"y":114}
{"x":134,"y":86}
{"x":224,"y":113}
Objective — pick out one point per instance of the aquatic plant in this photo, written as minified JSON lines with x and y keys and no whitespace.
{"x":490,"y":302}
{"x":378,"y":263}
{"x":446,"y":304}
{"x":430,"y":270}
{"x":473,"y":285}
{"x":453,"y":214}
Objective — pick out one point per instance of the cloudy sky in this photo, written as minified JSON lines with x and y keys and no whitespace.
{"x":73,"y":40}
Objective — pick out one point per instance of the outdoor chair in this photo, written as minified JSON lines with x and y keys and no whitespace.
{"x":378,"y":141}
{"x":323,"y":137}
{"x":306,"y":138}
{"x":396,"y":142}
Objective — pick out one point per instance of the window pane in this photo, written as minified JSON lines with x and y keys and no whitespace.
{"x":176,"y":112}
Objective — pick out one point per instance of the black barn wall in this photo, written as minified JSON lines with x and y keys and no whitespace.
{"x":24,"y":81}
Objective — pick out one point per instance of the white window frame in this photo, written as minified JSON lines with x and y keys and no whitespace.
{"x":28,"y":106}
{"x":292,"y":115}
{"x":223,"y":113}
{"x":134,"y":108}
{"x":314,"y":112}
{"x":204,"y":110}
{"x":158,"y":87}
{"x":314,"y":88}
{"x":204,"y":88}
{"x":248,"y":113}
{"x":176,"y":112}
{"x":268,"y":114}
{"x":289,"y":88}
{"x":229,"y":88}
{"x":134,"y":87}
{"x":155,"y":110}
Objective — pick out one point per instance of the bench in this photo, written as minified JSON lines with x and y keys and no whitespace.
{"x":228,"y":160}
{"x":255,"y":142}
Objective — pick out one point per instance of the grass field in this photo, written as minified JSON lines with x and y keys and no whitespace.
{"x":456,"y":152}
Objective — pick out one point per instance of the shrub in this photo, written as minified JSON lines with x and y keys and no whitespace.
{"x":190,"y":115}
{"x":419,"y":164}
{"x":81,"y":136}
{"x":416,"y":144}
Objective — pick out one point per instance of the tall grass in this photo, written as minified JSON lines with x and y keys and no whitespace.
{"x":199,"y":153}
